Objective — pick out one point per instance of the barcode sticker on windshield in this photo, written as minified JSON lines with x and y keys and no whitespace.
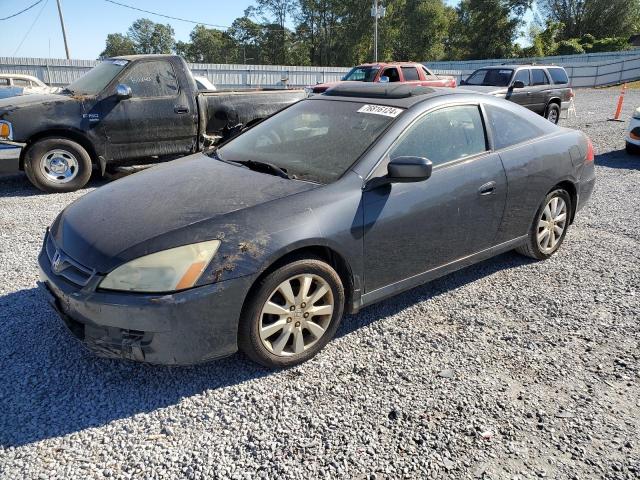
{"x":381,"y":110}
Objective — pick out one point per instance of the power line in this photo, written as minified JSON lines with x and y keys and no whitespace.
{"x":178,"y":18}
{"x":30,"y":28}
{"x":21,"y":11}
{"x":166,"y":16}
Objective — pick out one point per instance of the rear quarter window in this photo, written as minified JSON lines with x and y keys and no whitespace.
{"x":510,"y":128}
{"x":558,"y":75}
{"x":410,"y":73}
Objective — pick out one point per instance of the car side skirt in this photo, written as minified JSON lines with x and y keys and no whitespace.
{"x":421,"y":278}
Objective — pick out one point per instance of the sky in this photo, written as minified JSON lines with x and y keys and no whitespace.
{"x":37,"y":33}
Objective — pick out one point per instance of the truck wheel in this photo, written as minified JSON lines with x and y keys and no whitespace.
{"x":57,"y":165}
{"x":553,"y":113}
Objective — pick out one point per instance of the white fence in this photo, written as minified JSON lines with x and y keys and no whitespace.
{"x":587,"y":70}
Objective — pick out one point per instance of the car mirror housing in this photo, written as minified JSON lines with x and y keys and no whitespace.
{"x":518,"y":84}
{"x":123,"y":91}
{"x":409,"y":169}
{"x":403,"y":170}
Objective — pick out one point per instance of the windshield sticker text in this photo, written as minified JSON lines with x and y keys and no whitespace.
{"x":381,"y":110}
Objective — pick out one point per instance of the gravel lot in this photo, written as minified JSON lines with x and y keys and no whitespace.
{"x":508,"y":369}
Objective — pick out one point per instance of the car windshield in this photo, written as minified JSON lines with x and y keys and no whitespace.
{"x":495,"y":77}
{"x":94,"y":81}
{"x":361,"y":74}
{"x":313,"y":140}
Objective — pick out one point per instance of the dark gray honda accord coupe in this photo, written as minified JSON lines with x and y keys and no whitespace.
{"x":336,"y":202}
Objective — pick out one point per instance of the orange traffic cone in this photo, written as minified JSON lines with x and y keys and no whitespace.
{"x":616,"y":117}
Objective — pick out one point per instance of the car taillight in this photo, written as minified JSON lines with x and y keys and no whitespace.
{"x":571,"y":94}
{"x":590,"y":153}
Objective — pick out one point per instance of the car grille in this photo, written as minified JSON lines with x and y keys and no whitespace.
{"x":65,"y":266}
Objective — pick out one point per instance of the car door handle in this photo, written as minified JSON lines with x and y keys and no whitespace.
{"x":487,"y":188}
{"x":181,"y":109}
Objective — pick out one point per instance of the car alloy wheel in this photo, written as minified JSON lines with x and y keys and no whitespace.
{"x":552,"y":224}
{"x":59,"y":166}
{"x":296,"y":315}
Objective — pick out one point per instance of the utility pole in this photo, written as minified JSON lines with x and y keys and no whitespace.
{"x":64,"y":32}
{"x":376,"y":12}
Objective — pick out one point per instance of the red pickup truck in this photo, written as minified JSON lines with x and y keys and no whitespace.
{"x":406,"y":72}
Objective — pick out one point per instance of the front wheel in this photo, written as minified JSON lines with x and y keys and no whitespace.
{"x":57,"y":165}
{"x":549,"y":226}
{"x":553,"y":113}
{"x":292,"y":314}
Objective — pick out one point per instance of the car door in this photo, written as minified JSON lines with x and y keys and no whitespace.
{"x":410,"y":75}
{"x":539,"y":89}
{"x":391,"y":73}
{"x":411,"y":228}
{"x":521,"y":96}
{"x":158,"y":119}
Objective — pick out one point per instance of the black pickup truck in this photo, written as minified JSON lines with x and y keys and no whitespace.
{"x":130,"y":109}
{"x":544,"y":89}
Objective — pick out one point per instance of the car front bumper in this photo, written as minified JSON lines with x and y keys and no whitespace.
{"x":182,"y":328}
{"x":10,"y":157}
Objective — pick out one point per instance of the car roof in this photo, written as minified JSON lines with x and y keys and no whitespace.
{"x":518,"y":65}
{"x":400,"y":95}
{"x":385,"y":64}
{"x":18,"y":75}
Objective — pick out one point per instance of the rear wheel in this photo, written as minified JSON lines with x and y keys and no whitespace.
{"x":57,"y":165}
{"x":549,"y":226}
{"x":553,"y":113}
{"x":292,"y":314}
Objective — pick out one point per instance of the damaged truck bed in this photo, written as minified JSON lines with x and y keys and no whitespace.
{"x":130,"y":109}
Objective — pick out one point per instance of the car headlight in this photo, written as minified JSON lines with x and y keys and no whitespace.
{"x":6,"y":130}
{"x":166,"y":271}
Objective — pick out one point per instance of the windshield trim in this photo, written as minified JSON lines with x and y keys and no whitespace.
{"x":488,"y":69}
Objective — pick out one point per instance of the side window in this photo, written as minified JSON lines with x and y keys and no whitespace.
{"x":152,"y":79}
{"x":446,"y":134}
{"x":523,"y":76}
{"x":410,"y":73}
{"x":538,"y":77}
{"x":558,"y":75}
{"x":20,"y":82}
{"x":392,"y":73}
{"x":428,"y":74}
{"x":508,"y":128}
{"x":4,"y":82}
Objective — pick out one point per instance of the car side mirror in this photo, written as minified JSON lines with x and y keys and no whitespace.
{"x":384,"y":79}
{"x":518,"y":84}
{"x":409,"y":169}
{"x":463,"y":82}
{"x":123,"y":91}
{"x":403,"y":170}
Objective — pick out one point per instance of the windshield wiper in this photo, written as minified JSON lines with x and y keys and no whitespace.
{"x":264,"y":167}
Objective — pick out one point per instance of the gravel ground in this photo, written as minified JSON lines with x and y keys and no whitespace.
{"x":508,"y":369}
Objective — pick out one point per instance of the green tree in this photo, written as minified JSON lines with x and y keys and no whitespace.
{"x":151,"y":37}
{"x":486,"y":28}
{"x":118,"y":44}
{"x":208,"y":45}
{"x":600,"y":18}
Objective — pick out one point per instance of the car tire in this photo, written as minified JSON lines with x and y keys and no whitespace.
{"x":549,"y":227}
{"x":632,"y":149}
{"x":56,"y":165}
{"x":293,"y":332}
{"x":553,"y":113}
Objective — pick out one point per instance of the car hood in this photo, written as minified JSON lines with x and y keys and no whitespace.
{"x":488,"y":89}
{"x":32,"y":99}
{"x":141,"y":214}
